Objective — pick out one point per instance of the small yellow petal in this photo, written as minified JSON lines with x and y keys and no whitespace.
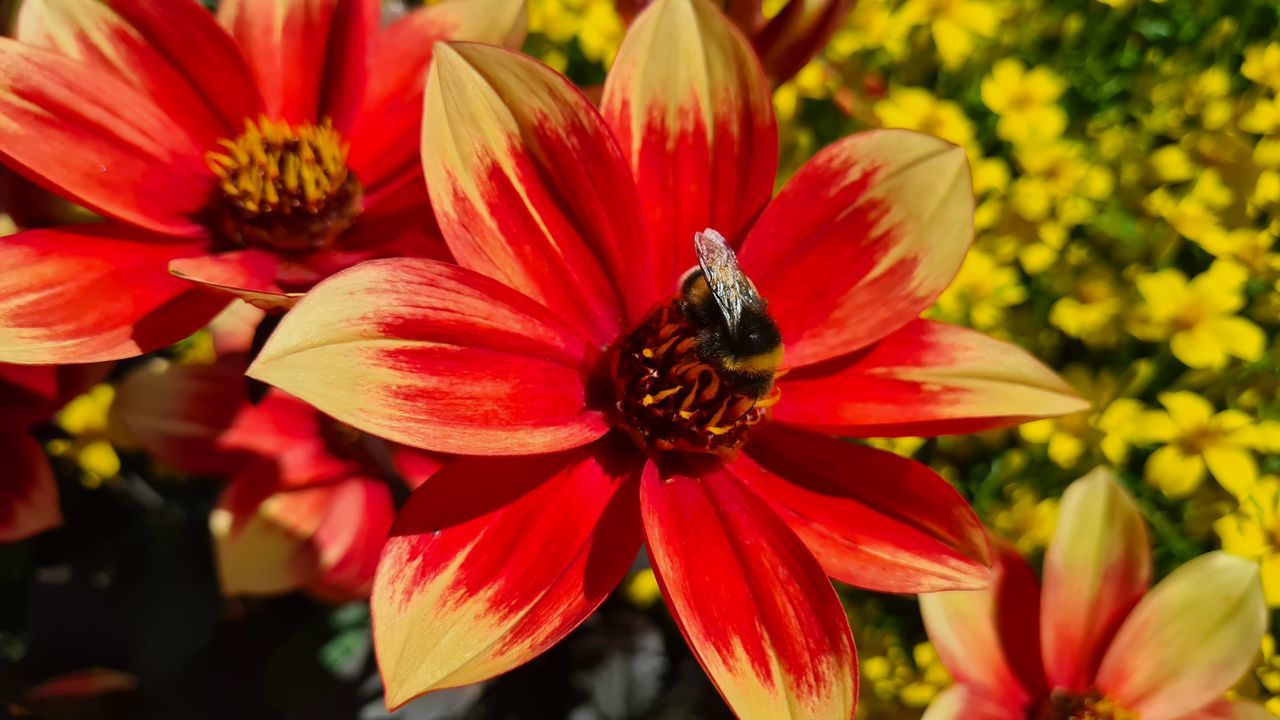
{"x":1175,"y":473}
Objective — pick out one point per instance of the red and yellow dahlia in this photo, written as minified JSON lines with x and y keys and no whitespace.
{"x":308,"y":501}
{"x":256,"y":152}
{"x":1097,"y":643}
{"x":554,"y":358}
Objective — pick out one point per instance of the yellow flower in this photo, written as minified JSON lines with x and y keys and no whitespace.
{"x":1198,"y":318}
{"x":1262,"y":65}
{"x":594,"y":23}
{"x":1111,"y":426}
{"x":872,"y":25}
{"x":1263,"y":118}
{"x":957,"y":25}
{"x":1027,"y":520}
{"x":642,"y":589}
{"x":1198,"y":441}
{"x":87,"y":420}
{"x":1092,"y":312}
{"x":917,"y":109}
{"x":1253,"y":531}
{"x":1172,"y":164}
{"x":1026,"y":101}
{"x":1248,"y":247}
{"x":981,"y":293}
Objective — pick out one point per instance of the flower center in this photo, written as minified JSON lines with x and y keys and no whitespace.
{"x":283,"y":187}
{"x":668,"y":399}
{"x":1091,"y":705}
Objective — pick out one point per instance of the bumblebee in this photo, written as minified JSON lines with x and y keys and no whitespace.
{"x":735,"y":334}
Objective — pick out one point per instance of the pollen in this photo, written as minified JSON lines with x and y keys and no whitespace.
{"x":283,"y":187}
{"x":668,"y":400}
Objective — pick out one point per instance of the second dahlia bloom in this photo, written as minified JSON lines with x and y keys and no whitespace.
{"x":255,"y":152}
{"x":556,"y":360}
{"x":1098,"y":643}
{"x":308,"y":500}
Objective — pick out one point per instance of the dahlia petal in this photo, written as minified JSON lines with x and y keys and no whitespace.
{"x":692,"y":110}
{"x":884,"y":218}
{"x":398,"y":222}
{"x":261,"y":539}
{"x":384,"y":143}
{"x":416,"y":466}
{"x":797,"y":33}
{"x":528,"y":185}
{"x":350,"y":537}
{"x":755,"y":607}
{"x":81,"y":131}
{"x":245,"y":274}
{"x":95,"y":292}
{"x":1189,"y":640}
{"x":434,"y":356}
{"x":291,"y":435}
{"x":962,"y":702}
{"x":179,"y":412}
{"x":355,"y":25}
{"x":287,"y":45}
{"x":872,"y":518}
{"x":233,"y":329}
{"x":987,"y":639}
{"x":494,"y":560}
{"x":28,"y":494}
{"x":925,"y":379}
{"x":1097,"y":567}
{"x":91,"y":32}
{"x":25,"y":385}
{"x":195,"y":45}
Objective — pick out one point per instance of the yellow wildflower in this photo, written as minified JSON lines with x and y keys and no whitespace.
{"x":1253,"y":531}
{"x":1027,"y":520}
{"x":1111,"y":426}
{"x":594,"y":23}
{"x":1092,"y":312}
{"x":981,"y":293}
{"x":1026,"y":101}
{"x":1198,"y":317}
{"x":87,"y":420}
{"x":957,"y":25}
{"x":1263,"y":118}
{"x":1262,"y":65}
{"x":1172,"y":164}
{"x":917,"y":109}
{"x":642,"y":589}
{"x":1198,"y":441}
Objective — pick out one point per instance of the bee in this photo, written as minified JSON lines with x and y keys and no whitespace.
{"x":736,"y":335}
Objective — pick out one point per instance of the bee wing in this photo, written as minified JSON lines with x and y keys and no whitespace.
{"x":733,"y":291}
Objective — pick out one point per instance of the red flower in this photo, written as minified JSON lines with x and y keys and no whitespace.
{"x":306,"y":507}
{"x":29,"y":396}
{"x":255,"y":153}
{"x":784,"y":42}
{"x":1099,"y":643}
{"x":556,"y":361}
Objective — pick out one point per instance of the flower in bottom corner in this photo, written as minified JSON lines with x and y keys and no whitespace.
{"x":1096,"y":642}
{"x":560,"y":360}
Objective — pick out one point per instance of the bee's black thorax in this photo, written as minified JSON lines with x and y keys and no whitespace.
{"x":746,"y":357}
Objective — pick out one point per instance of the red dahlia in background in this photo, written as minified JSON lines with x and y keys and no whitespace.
{"x":256,"y":152}
{"x":556,"y":360}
